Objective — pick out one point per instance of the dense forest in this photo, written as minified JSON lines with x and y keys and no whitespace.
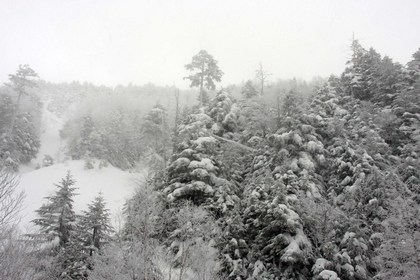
{"x":268,"y":179}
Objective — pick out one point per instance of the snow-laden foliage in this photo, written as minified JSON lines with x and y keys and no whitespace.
{"x":282,"y":186}
{"x":21,"y":144}
{"x":316,"y":196}
{"x":57,"y":217}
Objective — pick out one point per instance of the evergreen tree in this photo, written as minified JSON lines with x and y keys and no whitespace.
{"x":140,"y":231}
{"x":352,"y":75}
{"x":20,"y":83}
{"x":249,"y":90}
{"x":95,"y":223}
{"x":223,"y":111}
{"x":156,"y":137}
{"x":57,"y":217}
{"x":413,"y":67}
{"x":85,"y":146}
{"x":204,"y":72}
{"x":57,"y":225}
{"x":23,"y":144}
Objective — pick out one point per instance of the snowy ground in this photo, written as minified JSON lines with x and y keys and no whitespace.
{"x":115,"y":184}
{"x":51,"y":142}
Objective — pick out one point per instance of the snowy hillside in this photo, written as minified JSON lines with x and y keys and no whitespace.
{"x":116,"y":185}
{"x":51,"y":143}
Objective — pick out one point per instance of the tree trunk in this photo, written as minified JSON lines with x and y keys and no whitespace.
{"x":93,"y":241}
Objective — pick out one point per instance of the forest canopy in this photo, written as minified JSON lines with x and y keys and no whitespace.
{"x":267,"y":179}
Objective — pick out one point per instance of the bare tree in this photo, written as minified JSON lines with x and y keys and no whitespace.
{"x":17,"y":258}
{"x":141,"y":212}
{"x":11,"y":199}
{"x":16,"y":262}
{"x":193,"y":238}
{"x":262,"y":76}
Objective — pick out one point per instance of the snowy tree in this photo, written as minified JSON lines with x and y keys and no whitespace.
{"x":262,"y":76}
{"x":57,"y":217}
{"x":23,"y":144}
{"x":140,"y":229}
{"x":256,"y":120}
{"x":95,"y":223}
{"x":156,"y":137}
{"x":224,"y":113}
{"x":191,"y":242}
{"x":10,"y":199}
{"x":413,"y":67}
{"x":352,"y":76}
{"x":6,"y":111}
{"x":204,"y":72}
{"x":20,"y":83}
{"x":249,"y":90}
{"x":123,"y":261}
{"x":115,"y":138}
{"x":194,"y":173}
{"x":64,"y":255}
{"x":47,"y":161}
{"x":400,"y":240}
{"x":17,"y":258}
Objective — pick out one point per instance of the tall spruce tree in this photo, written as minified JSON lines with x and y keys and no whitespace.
{"x":57,"y":217}
{"x":65,"y":257}
{"x":95,"y":224}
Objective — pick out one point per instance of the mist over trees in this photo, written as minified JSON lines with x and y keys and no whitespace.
{"x":267,"y":179}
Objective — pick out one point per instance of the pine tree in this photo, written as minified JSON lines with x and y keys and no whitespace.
{"x":20,"y":83}
{"x":95,"y":224}
{"x":352,"y":75}
{"x":57,"y":217}
{"x":204,"y":72}
{"x":85,"y":146}
{"x":57,"y":225}
{"x":413,"y":67}
{"x":223,"y":111}
{"x":156,"y":137}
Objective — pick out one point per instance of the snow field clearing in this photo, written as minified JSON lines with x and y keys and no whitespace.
{"x":115,"y":184}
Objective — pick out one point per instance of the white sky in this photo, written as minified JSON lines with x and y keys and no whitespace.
{"x":117,"y":42}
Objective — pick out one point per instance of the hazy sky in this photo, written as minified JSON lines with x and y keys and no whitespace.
{"x":117,"y":42}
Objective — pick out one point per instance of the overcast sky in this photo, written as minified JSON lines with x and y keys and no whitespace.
{"x":117,"y":42}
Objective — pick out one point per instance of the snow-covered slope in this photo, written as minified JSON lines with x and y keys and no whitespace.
{"x":115,"y":184}
{"x":51,"y":143}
